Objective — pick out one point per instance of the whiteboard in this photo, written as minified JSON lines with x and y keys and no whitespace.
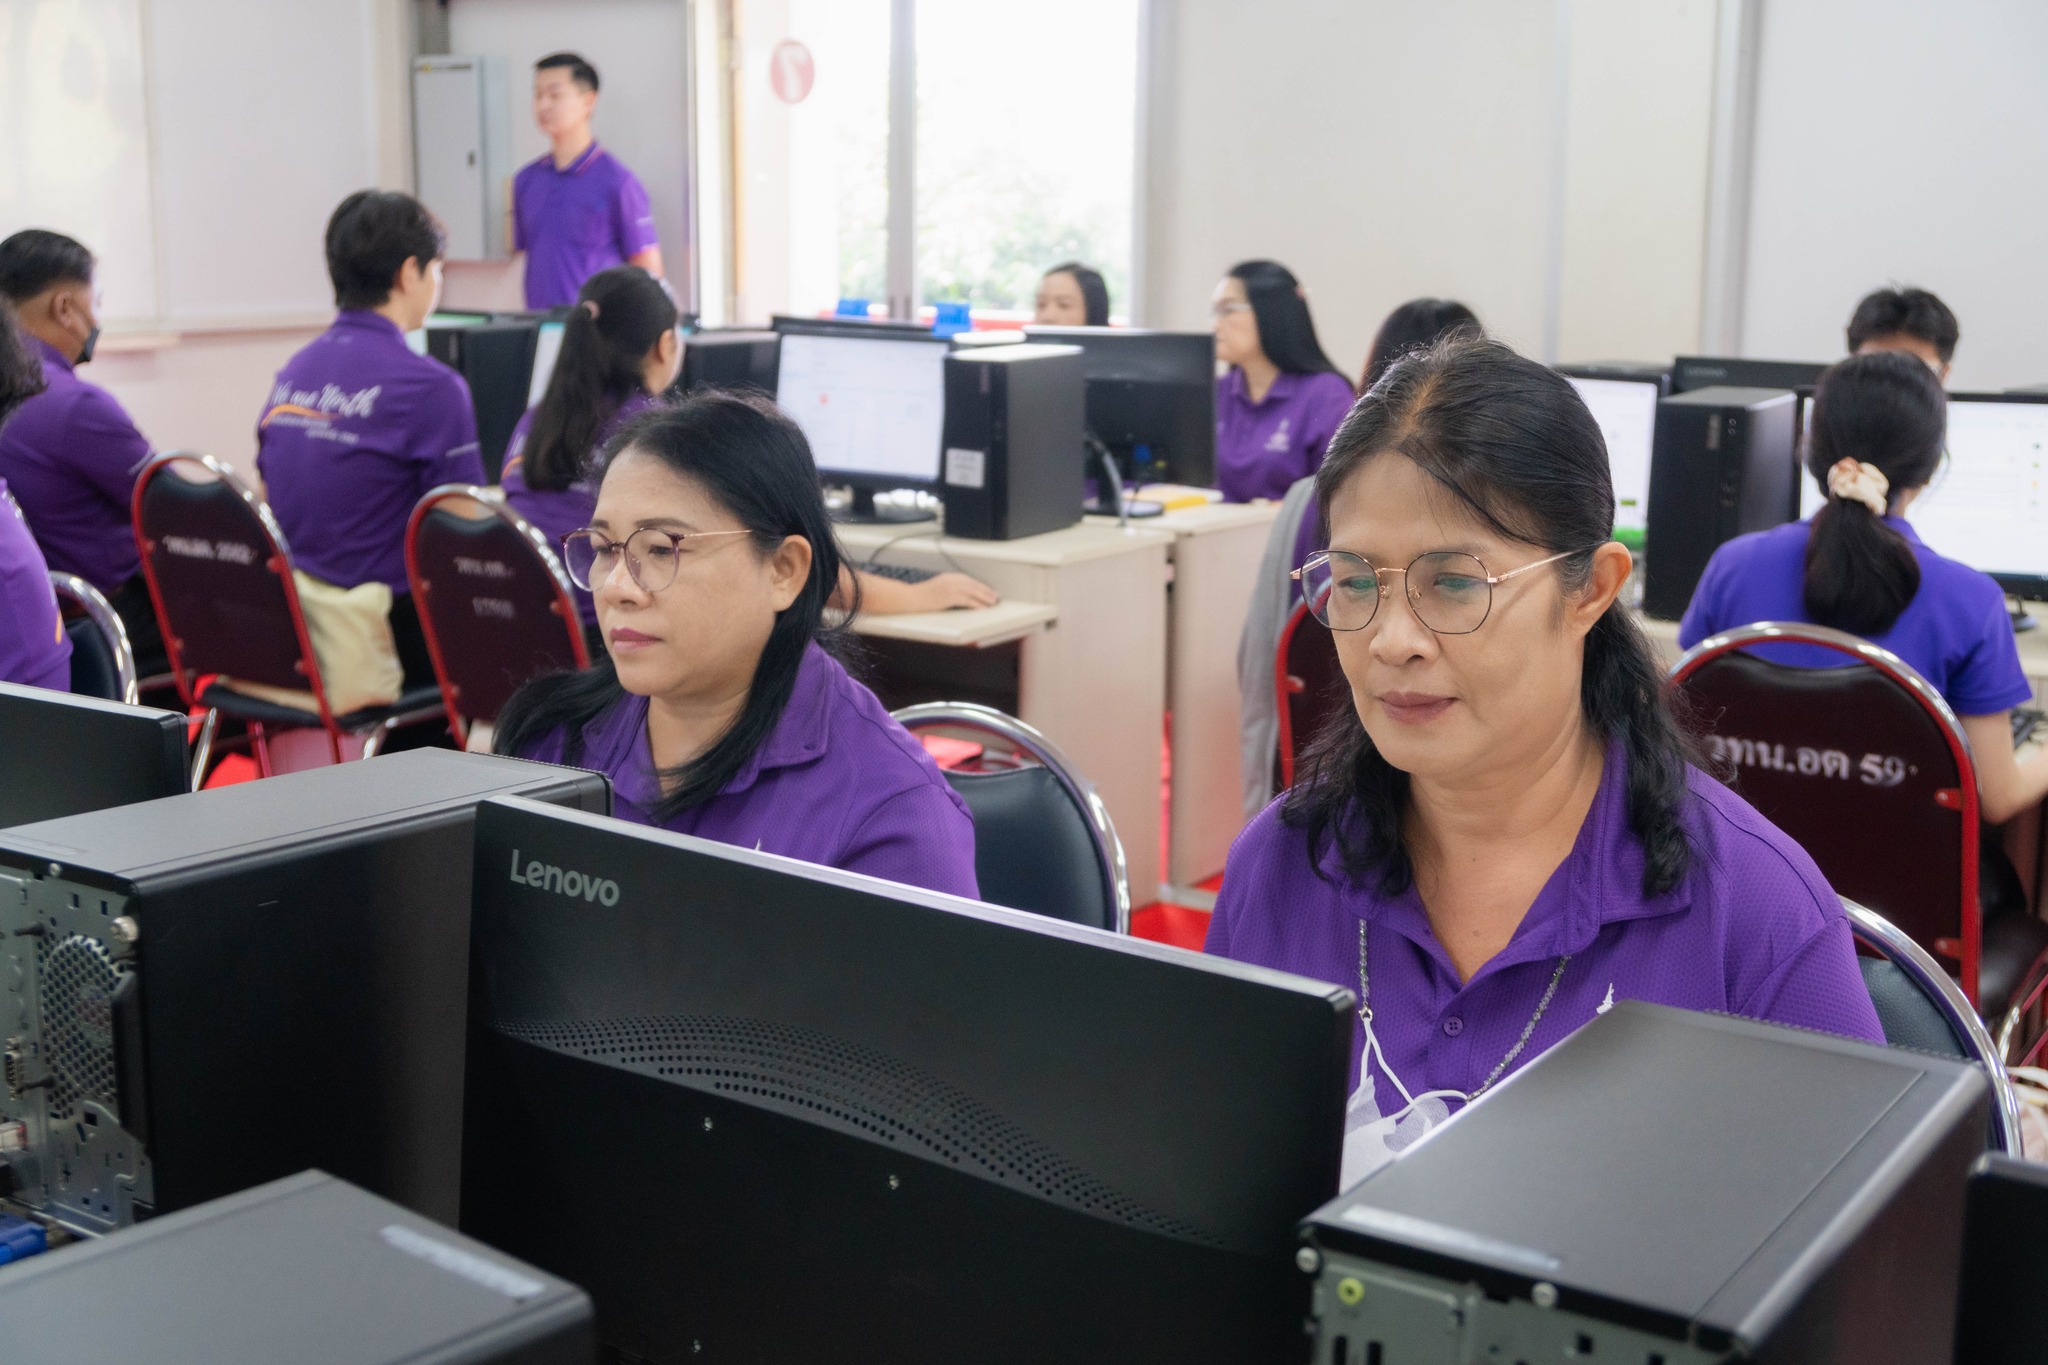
{"x":1899,"y":141}
{"x":196,"y":146}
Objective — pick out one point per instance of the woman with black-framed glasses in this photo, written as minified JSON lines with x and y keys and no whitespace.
{"x":716,"y":710}
{"x":1503,"y":834}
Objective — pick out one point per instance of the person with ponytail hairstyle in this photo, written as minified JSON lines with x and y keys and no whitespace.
{"x":1504,"y":833}
{"x":1875,"y":439}
{"x":620,"y":349}
{"x":716,"y":710}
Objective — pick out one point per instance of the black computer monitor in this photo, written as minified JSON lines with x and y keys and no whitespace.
{"x":1626,"y":409}
{"x":763,"y":1110}
{"x":62,"y":754}
{"x":495,"y":355}
{"x":1988,"y":504}
{"x":871,"y":399}
{"x":733,"y":359}
{"x":1690,"y":372}
{"x":1151,"y":398}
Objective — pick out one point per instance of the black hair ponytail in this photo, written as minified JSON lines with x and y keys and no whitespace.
{"x":1885,"y":409}
{"x":618,"y":316}
{"x":754,"y":462}
{"x":1513,"y":442}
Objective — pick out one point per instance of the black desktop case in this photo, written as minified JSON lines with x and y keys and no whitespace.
{"x":63,"y":754}
{"x":731,"y":360}
{"x":1014,"y":450}
{"x":1672,"y":1187}
{"x":1722,"y":465}
{"x":307,"y":1269}
{"x":208,"y":991}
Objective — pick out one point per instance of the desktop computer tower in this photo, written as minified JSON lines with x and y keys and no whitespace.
{"x":1722,"y":465}
{"x":728,"y":360}
{"x":1667,"y":1188}
{"x":307,"y":1269}
{"x":1014,"y":441}
{"x":496,"y":358}
{"x":207,"y":991}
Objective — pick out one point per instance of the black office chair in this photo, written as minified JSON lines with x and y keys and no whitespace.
{"x":1920,"y":1006}
{"x":1043,"y":840}
{"x":102,"y":660}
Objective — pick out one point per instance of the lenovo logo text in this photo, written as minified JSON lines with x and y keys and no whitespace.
{"x":546,"y":876}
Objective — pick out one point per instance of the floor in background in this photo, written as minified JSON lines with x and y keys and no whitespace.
{"x":1184,"y":926}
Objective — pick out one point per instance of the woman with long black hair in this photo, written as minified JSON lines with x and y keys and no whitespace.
{"x":716,"y":711}
{"x":1503,"y":835}
{"x":1875,"y":439}
{"x":1281,"y":398}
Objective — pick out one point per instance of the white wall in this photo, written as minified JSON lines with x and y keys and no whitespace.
{"x":1384,"y":150}
{"x":198,"y":391}
{"x":1899,"y":141}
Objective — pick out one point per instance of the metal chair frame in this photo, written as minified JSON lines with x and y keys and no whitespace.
{"x":279,"y":562}
{"x":422,"y":587}
{"x":96,"y":608}
{"x":1962,"y":798}
{"x":1924,"y":970}
{"x":1029,"y":741}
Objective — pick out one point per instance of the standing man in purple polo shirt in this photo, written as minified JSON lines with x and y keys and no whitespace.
{"x":71,"y":454}
{"x":715,"y":711}
{"x":33,"y":646}
{"x":357,"y":428}
{"x":577,"y":210}
{"x":1281,"y":400}
{"x":1502,"y":835}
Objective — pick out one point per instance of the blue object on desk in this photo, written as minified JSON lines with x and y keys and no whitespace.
{"x":951,"y":319}
{"x":851,"y":308}
{"x":20,"y":1239}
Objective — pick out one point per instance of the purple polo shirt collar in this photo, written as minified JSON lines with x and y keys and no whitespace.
{"x":577,"y":164}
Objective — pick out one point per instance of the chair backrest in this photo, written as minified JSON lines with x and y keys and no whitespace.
{"x":102,"y":660}
{"x":1919,"y":1006}
{"x":1863,"y":765}
{"x":494,"y":602}
{"x":1309,"y":684}
{"x":221,"y":578}
{"x":1043,"y":840}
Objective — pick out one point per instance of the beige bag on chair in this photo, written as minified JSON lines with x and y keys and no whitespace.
{"x":351,"y":633}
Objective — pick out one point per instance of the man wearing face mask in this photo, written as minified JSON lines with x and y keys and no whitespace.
{"x":70,"y":454}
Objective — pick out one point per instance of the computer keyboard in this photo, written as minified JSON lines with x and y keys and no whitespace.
{"x":902,"y":573}
{"x":2026,"y":722}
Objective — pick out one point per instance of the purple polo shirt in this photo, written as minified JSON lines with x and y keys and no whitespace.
{"x":33,"y":647}
{"x":837,"y":782}
{"x":562,"y":510}
{"x":1955,"y":632}
{"x":71,"y":456}
{"x":356,"y":429}
{"x":1752,"y":930}
{"x":574,"y":221}
{"x":1263,"y":447}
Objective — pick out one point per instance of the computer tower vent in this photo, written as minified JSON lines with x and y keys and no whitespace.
{"x":825,"y":1079}
{"x":77,"y":979}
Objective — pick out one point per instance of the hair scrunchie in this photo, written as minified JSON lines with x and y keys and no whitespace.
{"x":590,"y":307}
{"x":1852,"y":480}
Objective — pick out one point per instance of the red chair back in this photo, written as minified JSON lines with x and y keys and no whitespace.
{"x":1864,"y":765}
{"x":220,"y":576}
{"x":494,"y":601}
{"x":1309,"y":687}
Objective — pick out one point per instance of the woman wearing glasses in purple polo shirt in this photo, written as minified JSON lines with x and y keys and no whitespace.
{"x":1875,"y":439}
{"x":1503,"y":835}
{"x":716,"y":711}
{"x":1281,"y":398}
{"x":33,"y":647}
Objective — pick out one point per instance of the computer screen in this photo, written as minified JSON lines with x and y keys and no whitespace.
{"x":1151,"y":398}
{"x":547,"y":347}
{"x":1626,"y":410}
{"x":872,"y":406}
{"x":62,"y":754}
{"x":761,"y":1109}
{"x":1988,"y":504}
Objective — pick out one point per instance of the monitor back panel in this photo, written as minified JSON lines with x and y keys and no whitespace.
{"x":63,"y":755}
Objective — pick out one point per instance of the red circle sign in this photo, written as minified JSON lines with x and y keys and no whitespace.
{"x":790,"y":71}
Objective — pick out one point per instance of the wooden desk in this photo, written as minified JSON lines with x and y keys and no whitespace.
{"x":1086,"y":617}
{"x":1215,"y":556}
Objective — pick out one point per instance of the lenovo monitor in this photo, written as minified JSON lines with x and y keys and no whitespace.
{"x":763,"y":1110}
{"x":62,"y":754}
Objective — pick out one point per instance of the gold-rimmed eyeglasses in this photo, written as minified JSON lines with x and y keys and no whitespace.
{"x":651,"y":552}
{"x":1449,"y":590}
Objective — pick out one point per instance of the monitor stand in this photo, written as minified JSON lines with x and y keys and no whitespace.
{"x":861,"y":510}
{"x":2022,"y":619}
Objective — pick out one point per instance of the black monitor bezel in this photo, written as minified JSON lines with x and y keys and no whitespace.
{"x":1101,"y":347}
{"x":861,"y":480}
